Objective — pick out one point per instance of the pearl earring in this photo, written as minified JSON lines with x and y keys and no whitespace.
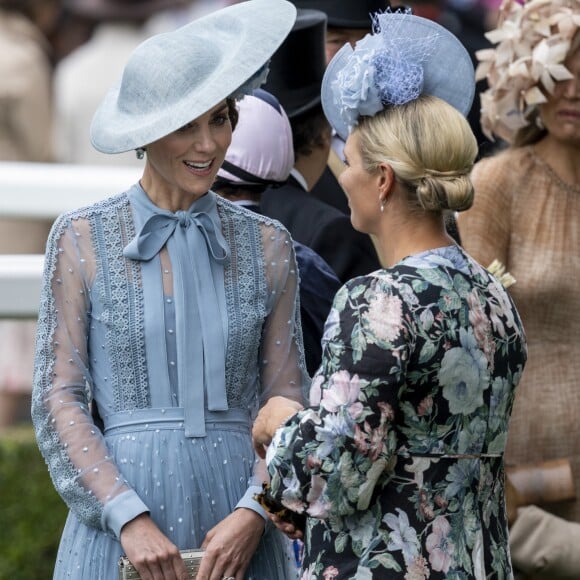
{"x":382,"y":206}
{"x":140,"y":152}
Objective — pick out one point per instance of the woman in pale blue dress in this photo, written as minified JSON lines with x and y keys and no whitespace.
{"x":168,"y":316}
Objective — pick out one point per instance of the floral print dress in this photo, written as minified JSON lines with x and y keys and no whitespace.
{"x":398,"y":463}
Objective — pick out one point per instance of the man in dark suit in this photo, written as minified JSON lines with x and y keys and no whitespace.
{"x":295,"y":78}
{"x":347,"y":21}
{"x":261,"y":155}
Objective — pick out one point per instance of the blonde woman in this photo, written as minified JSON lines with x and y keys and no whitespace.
{"x":398,"y":462}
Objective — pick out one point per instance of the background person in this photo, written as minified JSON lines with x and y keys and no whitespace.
{"x":83,"y":77}
{"x":347,"y":22}
{"x":295,"y":78}
{"x":527,"y":215}
{"x":172,"y":315}
{"x":398,"y":463}
{"x":26,"y":134}
{"x":261,"y":156}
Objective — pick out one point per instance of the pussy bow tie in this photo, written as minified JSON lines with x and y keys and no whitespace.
{"x":201,"y":344}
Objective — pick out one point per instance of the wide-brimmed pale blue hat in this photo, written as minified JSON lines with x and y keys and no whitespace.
{"x":174,"y":77}
{"x":406,"y":56}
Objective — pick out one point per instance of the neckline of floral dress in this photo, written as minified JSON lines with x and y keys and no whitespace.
{"x":452,"y":253}
{"x":552,"y":173}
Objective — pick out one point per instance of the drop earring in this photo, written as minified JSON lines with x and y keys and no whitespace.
{"x":140,"y":152}
{"x":539,"y":123}
{"x":382,"y":205}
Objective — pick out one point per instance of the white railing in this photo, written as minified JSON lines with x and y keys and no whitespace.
{"x":20,"y":278}
{"x":44,"y":191}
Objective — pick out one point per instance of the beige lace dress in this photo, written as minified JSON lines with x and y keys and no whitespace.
{"x":528,"y":218}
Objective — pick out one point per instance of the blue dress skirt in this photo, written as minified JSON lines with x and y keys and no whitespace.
{"x":130,"y":294}
{"x":155,"y":456}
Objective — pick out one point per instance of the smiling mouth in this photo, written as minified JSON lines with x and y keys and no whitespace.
{"x":199,"y":166}
{"x":572,"y":114}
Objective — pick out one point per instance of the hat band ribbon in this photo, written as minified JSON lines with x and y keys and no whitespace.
{"x":248,"y":177}
{"x":200,"y":335}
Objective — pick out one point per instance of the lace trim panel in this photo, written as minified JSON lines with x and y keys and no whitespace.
{"x":119,"y":285}
{"x":246,"y":292}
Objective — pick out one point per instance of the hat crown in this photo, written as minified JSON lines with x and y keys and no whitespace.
{"x":137,"y":93}
{"x":346,"y":13}
{"x":175,"y":77}
{"x":297,"y":67}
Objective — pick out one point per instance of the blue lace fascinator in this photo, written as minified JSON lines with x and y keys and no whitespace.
{"x":404,"y":57}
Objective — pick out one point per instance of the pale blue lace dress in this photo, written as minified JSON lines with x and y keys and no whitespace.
{"x":176,"y":327}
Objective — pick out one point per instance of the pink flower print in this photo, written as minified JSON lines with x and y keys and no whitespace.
{"x":343,"y":391}
{"x":361,"y":439}
{"x":330,"y":573}
{"x":369,"y":441}
{"x":418,"y":569}
{"x":425,"y":406}
{"x":308,"y":574}
{"x":315,"y":390}
{"x":387,"y":412}
{"x":425,"y":506}
{"x":385,"y":317}
{"x":481,"y":327}
{"x":439,"y":546}
{"x":318,"y":506}
{"x":313,"y":462}
{"x":378,"y":437}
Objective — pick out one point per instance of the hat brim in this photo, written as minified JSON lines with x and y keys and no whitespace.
{"x":448,"y":70}
{"x":247,"y":34}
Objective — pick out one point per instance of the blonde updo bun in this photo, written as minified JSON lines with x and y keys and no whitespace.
{"x":430,"y":147}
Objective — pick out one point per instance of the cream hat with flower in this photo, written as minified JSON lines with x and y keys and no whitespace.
{"x":174,"y":77}
{"x":532,"y":42}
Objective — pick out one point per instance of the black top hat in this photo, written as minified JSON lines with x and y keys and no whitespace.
{"x":346,"y":13}
{"x":297,"y":67}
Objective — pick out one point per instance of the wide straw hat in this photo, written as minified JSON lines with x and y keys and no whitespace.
{"x":174,"y":77}
{"x":405,"y":57}
{"x":120,"y":9}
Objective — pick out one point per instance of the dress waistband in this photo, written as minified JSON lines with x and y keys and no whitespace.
{"x":172,"y":418}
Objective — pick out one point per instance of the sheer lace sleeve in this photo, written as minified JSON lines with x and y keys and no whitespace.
{"x":283,"y":370}
{"x":73,"y":447}
{"x":329,"y":457}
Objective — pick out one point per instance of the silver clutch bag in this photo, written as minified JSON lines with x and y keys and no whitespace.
{"x":192,"y":559}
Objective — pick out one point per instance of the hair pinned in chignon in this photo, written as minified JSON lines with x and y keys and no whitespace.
{"x":430,"y":147}
{"x":445,"y":192}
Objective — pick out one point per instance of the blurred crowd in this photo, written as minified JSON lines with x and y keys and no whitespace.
{"x":59,"y":57}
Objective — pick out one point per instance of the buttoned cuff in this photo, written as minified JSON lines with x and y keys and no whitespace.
{"x":120,"y":510}
{"x":250,"y":503}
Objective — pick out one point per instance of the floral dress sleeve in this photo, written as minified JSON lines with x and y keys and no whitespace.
{"x":328,"y":458}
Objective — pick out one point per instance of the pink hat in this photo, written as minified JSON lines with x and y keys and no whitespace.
{"x":261,"y":152}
